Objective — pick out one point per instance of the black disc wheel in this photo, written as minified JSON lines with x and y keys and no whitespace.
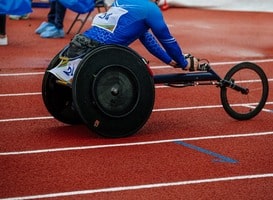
{"x":58,"y":98}
{"x":113,"y":91}
{"x":245,"y":105}
{"x":116,"y":91}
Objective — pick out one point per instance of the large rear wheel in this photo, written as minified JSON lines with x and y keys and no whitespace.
{"x":113,"y":91}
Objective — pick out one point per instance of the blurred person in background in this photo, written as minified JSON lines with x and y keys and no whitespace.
{"x":11,"y":7}
{"x":18,"y":17}
{"x":53,"y":27}
{"x":3,"y":35}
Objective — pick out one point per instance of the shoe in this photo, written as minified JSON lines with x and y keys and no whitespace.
{"x":18,"y":17}
{"x":43,"y":27}
{"x":52,"y":32}
{"x":3,"y":40}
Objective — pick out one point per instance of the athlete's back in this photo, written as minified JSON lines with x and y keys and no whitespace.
{"x":124,"y":22}
{"x":128,"y":20}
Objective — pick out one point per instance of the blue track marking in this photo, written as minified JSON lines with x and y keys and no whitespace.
{"x":218,"y":157}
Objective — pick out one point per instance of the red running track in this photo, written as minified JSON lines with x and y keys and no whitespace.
{"x":189,"y":148}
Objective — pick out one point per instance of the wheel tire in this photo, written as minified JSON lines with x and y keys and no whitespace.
{"x":245,"y":106}
{"x":113,"y":91}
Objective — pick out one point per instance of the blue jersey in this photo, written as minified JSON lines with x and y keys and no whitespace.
{"x":129,"y":20}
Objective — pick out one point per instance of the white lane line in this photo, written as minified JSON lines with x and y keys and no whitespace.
{"x":154,"y":110}
{"x":26,"y":119}
{"x":207,"y":107}
{"x":215,"y":64}
{"x":39,"y":151}
{"x":20,"y":94}
{"x":23,"y":74}
{"x":152,"y":67}
{"x":186,"y":108}
{"x":162,"y":86}
{"x":267,"y":110}
{"x":147,"y":186}
{"x":39,"y":93}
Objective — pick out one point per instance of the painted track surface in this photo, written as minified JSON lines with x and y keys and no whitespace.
{"x":189,"y":148}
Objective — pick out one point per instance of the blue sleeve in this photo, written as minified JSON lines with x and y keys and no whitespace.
{"x":160,"y":30}
{"x":148,"y":40}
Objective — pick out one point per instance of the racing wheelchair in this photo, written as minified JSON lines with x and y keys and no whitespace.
{"x":111,"y":89}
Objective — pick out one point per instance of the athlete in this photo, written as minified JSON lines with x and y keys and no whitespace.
{"x":129,"y":20}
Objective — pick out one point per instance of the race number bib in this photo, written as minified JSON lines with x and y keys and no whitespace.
{"x":109,"y":19}
{"x":65,"y":70}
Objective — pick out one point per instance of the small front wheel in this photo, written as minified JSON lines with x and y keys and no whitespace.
{"x":245,"y":105}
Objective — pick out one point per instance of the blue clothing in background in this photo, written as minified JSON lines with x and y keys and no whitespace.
{"x":79,"y":6}
{"x":15,"y":7}
{"x":129,"y":20}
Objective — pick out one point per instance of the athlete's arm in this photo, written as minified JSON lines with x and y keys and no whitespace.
{"x":148,"y":40}
{"x":160,"y":30}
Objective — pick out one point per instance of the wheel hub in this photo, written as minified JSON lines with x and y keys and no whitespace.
{"x":115,"y":91}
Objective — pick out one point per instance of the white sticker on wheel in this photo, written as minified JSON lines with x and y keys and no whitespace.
{"x":65,"y":70}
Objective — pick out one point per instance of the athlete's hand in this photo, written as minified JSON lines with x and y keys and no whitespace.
{"x":193,"y":63}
